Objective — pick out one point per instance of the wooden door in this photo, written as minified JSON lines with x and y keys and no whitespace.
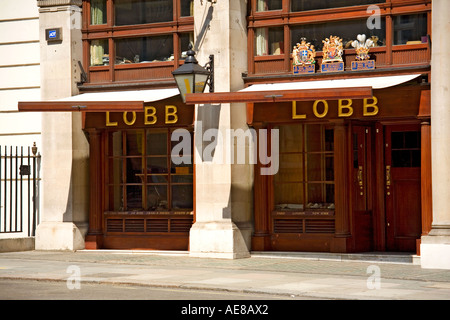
{"x":362,"y":188}
{"x":402,"y":187}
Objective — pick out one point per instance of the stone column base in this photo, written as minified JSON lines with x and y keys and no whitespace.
{"x":59,"y":236}
{"x":435,"y":249}
{"x":217,"y":239}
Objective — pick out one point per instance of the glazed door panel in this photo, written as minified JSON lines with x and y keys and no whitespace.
{"x":361,"y":168}
{"x":402,"y":187}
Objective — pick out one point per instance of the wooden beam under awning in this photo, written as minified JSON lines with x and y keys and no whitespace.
{"x":85,"y":106}
{"x":280,"y":95}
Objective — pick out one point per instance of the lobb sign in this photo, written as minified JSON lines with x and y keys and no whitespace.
{"x":321,"y":109}
{"x":403,"y":102}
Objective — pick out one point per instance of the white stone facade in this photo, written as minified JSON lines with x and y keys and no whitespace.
{"x":19,"y":78}
{"x":435,"y":247}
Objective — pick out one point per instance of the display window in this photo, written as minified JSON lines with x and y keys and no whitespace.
{"x":142,"y":175}
{"x":305,"y":180}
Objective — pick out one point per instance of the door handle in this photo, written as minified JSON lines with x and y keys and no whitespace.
{"x":360,"y":179}
{"x":388,"y":179}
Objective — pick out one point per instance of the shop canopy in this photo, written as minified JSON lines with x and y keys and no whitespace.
{"x":101,"y":101}
{"x":351,"y":88}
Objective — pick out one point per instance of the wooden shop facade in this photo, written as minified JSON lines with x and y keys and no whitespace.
{"x":354,"y":174}
{"x":354,"y":165}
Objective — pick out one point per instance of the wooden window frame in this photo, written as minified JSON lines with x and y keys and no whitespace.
{"x":158,"y":72}
{"x":144,"y":184}
{"x":392,"y":55}
{"x":304,"y":153}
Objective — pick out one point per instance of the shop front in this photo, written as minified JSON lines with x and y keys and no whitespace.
{"x":141,"y":171}
{"x":141,"y":197}
{"x":353,"y":173}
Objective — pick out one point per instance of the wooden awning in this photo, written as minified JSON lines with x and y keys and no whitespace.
{"x":117,"y":101}
{"x":349,"y":88}
{"x":280,"y":95}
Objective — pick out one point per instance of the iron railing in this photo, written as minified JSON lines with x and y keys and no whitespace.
{"x":19,"y":189}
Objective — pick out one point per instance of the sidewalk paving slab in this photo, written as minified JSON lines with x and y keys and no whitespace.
{"x":310,"y":275}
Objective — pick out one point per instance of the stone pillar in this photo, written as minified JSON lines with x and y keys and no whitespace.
{"x":435,"y":247}
{"x":223,"y":190}
{"x":65,"y":150}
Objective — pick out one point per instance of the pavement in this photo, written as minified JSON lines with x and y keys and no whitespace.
{"x":321,"y":276}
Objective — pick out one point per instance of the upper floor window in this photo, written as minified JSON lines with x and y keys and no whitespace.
{"x":98,"y":12}
{"x":306,"y":5}
{"x":144,"y":49}
{"x":399,"y":30}
{"x":187,"y":8}
{"x":129,"y":12}
{"x":137,"y":39}
{"x":410,"y":29}
{"x":269,"y":41}
{"x":347,"y":30}
{"x":132,"y":12}
{"x":266,"y":5}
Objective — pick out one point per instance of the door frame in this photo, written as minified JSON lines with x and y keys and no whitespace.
{"x":400,"y":175}
{"x":380,"y":215}
{"x":362,"y":182}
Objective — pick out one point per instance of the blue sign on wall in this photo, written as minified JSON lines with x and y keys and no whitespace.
{"x":53,"y":34}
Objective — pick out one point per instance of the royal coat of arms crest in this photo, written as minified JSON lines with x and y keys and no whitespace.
{"x":332,"y":49}
{"x":362,"y":47}
{"x":303,"y":57}
{"x":332,"y":55}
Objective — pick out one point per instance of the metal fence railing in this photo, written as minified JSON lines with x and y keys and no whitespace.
{"x":19,"y":189}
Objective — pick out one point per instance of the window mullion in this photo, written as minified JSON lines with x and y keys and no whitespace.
{"x":144,"y":167}
{"x":110,"y":13}
{"x":169,"y":171}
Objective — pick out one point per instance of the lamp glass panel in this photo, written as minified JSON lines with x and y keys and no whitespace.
{"x":185,"y":84}
{"x":200,"y":82}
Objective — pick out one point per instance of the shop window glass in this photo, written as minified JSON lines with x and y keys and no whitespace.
{"x":306,"y":5}
{"x":99,"y":52}
{"x":157,"y":197}
{"x":130,"y":12}
{"x":266,"y":5}
{"x":187,"y":8}
{"x":410,"y":29}
{"x":145,"y":49}
{"x":347,"y":30}
{"x":98,"y":12}
{"x":182,"y":196}
{"x":305,"y":179}
{"x":269,"y":41}
{"x":141,"y":175}
{"x":185,"y":40}
{"x":355,"y":151}
{"x":405,"y":149}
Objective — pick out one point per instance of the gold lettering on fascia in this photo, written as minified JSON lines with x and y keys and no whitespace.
{"x":320,"y":108}
{"x":150,"y":116}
